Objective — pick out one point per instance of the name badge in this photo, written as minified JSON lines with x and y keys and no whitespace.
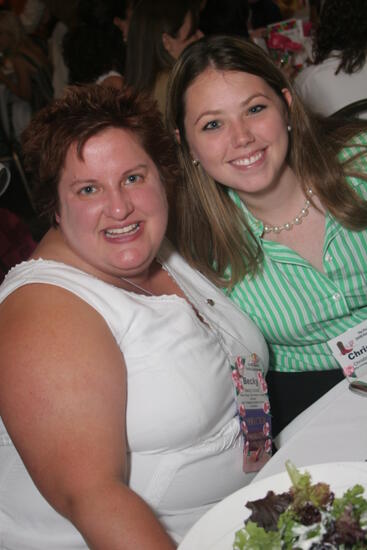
{"x":253,"y":411}
{"x":350,"y":350}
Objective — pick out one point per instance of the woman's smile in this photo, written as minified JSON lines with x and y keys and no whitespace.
{"x":250,"y":161}
{"x":117,"y":232}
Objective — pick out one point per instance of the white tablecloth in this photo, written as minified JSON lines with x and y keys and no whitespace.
{"x":333,"y":429}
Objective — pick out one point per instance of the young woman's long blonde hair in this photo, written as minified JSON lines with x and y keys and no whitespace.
{"x":212,"y":232}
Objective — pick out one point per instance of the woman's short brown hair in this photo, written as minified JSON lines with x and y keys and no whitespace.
{"x":83,"y":112}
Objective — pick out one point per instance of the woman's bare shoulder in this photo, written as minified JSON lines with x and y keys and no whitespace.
{"x":45,"y":316}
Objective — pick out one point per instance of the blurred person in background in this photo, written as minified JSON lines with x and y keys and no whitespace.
{"x":25,"y":71}
{"x":95,"y":54}
{"x":30,"y":14}
{"x":338,"y":74}
{"x":94,"y":49}
{"x":159,"y":31}
{"x":88,"y":45}
{"x":64,"y":14}
{"x":123,"y":13}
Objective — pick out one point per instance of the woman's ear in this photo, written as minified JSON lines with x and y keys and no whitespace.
{"x":167,"y":42}
{"x":287,"y":96}
{"x":177,"y":136}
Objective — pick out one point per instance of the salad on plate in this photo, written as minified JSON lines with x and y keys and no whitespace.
{"x":307,"y":517}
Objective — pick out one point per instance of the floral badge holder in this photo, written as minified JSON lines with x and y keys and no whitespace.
{"x":350,"y":350}
{"x":254,"y":411}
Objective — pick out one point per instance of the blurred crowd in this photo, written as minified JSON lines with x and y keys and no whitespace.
{"x":83,"y":41}
{"x":46,"y":45}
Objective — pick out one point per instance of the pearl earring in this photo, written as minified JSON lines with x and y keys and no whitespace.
{"x":195,"y":162}
{"x":289,"y":127}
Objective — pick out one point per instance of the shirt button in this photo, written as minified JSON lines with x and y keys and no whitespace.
{"x":336,"y":296}
{"x":328,"y":258}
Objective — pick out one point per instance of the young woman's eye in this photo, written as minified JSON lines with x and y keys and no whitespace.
{"x":133,"y":178}
{"x":212,"y":125}
{"x":256,"y":109}
{"x":87,"y":190}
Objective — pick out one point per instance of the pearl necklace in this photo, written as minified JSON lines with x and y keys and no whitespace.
{"x":296,"y":221}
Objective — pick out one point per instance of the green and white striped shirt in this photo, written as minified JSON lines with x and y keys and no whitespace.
{"x":298,"y":308}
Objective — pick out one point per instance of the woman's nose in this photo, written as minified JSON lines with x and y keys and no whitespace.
{"x":119,"y":204}
{"x":241,"y":134}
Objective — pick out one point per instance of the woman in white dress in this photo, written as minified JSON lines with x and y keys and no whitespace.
{"x":119,"y":425}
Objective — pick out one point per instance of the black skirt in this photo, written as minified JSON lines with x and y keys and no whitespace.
{"x":290,"y":393}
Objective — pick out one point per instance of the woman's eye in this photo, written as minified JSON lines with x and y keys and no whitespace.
{"x":256,"y":109}
{"x":133,"y":178}
{"x":87,"y":190}
{"x":212,"y":125}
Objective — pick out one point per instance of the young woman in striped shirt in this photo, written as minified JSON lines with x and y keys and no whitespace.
{"x":273,"y":210}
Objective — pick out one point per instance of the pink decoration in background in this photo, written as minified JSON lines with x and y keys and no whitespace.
{"x":277,"y":41}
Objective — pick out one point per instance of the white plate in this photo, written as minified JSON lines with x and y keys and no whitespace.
{"x":216,"y":529}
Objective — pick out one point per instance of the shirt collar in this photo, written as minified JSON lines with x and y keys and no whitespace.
{"x":276,"y":251}
{"x":256,"y":226}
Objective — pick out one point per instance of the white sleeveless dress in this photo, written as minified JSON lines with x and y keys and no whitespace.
{"x":183,"y":432}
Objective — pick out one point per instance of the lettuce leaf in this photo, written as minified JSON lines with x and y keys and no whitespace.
{"x":304,"y":491}
{"x":256,"y":538}
{"x":352,"y":497}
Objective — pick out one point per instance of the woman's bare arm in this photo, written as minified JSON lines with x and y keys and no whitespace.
{"x":63,"y":400}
